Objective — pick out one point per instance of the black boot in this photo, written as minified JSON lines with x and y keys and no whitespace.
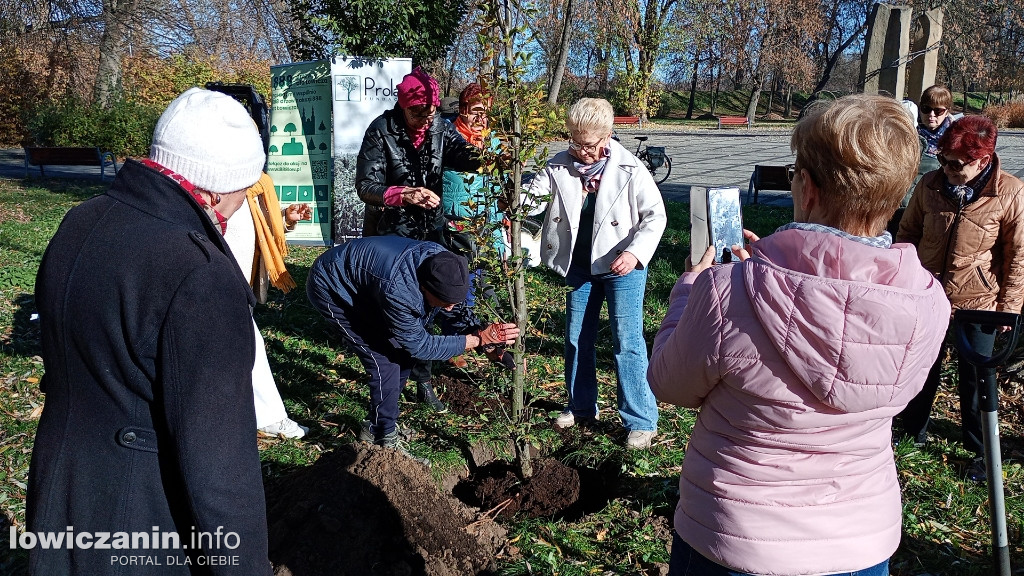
{"x":425,"y":393}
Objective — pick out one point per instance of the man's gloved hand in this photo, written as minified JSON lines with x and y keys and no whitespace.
{"x":498,"y":334}
{"x":498,"y":355}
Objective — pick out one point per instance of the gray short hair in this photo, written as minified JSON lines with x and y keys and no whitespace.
{"x":590,"y":115}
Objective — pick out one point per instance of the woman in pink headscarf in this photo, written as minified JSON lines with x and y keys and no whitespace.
{"x":399,"y":174}
{"x":401,"y":162}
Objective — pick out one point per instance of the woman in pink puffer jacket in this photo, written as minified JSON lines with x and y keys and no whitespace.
{"x":798,"y":359}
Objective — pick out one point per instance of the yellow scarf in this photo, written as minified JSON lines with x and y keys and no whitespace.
{"x":269,"y":223}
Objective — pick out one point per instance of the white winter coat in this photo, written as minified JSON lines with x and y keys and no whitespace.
{"x":629,"y":214}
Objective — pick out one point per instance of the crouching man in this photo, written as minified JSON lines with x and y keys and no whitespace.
{"x":382,"y":293}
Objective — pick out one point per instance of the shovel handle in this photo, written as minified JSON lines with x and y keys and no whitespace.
{"x":985,"y":318}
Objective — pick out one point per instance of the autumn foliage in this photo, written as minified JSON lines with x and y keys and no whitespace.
{"x":1010,"y":115}
{"x":48,"y":95}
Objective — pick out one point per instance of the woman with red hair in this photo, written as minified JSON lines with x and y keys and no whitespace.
{"x":966,"y":221}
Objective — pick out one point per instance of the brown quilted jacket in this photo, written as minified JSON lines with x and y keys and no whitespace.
{"x":977,"y":252}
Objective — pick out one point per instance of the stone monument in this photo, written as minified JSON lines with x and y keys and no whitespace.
{"x":925,"y":47}
{"x":883,"y":66}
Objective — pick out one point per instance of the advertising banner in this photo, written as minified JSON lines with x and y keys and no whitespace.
{"x":363,"y":90}
{"x":299,"y":158}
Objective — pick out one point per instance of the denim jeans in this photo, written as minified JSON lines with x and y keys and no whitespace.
{"x":625,"y":296}
{"x":687,"y":562}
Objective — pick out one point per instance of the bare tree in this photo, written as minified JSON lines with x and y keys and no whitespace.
{"x":846,"y":22}
{"x":562,"y":54}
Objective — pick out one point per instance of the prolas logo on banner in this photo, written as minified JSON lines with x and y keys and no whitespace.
{"x":382,"y":93}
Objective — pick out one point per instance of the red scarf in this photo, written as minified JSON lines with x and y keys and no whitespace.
{"x":216,"y":217}
{"x":474,"y":137}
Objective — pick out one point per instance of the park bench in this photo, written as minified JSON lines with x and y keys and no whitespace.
{"x":768,"y":178}
{"x":733,"y":121}
{"x":629,"y":121}
{"x":68,"y":156}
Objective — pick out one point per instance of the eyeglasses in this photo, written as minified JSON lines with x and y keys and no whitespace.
{"x":475,"y":113}
{"x":956,"y":165}
{"x":586,"y":148}
{"x":790,"y":172}
{"x":423,"y":114}
{"x":926,"y":110}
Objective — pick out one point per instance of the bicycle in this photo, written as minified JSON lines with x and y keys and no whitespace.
{"x":654,"y":157}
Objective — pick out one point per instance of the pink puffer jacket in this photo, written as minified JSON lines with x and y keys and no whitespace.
{"x":798,"y":359}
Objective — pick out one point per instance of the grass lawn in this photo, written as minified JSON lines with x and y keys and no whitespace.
{"x":946,"y":529}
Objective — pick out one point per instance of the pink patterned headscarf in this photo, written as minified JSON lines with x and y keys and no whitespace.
{"x":417,"y":89}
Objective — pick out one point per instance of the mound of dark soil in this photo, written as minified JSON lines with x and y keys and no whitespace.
{"x":553,"y":488}
{"x":370,"y":511}
{"x":466,"y":399}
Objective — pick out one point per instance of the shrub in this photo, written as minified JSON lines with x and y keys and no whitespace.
{"x":153,"y":80}
{"x":126,"y":128}
{"x":1009,"y":115}
{"x":23,"y":86}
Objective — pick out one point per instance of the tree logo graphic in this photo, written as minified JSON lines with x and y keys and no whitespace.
{"x":346,"y":89}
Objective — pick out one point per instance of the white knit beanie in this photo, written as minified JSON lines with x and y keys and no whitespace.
{"x":211,"y":140}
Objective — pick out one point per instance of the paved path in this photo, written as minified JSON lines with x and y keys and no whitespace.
{"x":727,"y":158}
{"x":706,"y":158}
{"x":12,"y":165}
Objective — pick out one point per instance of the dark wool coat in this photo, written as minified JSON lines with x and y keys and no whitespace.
{"x":387,"y":158}
{"x":148,"y":423}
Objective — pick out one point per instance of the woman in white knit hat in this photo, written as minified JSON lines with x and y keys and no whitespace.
{"x":148,"y":348}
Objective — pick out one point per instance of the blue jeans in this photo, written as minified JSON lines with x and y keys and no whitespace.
{"x":687,"y":562}
{"x":625,"y":296}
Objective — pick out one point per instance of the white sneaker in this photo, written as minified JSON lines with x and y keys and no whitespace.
{"x":640,"y":439}
{"x":287,"y":428}
{"x":565,"y":420}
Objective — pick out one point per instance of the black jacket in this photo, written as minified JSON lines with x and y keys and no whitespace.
{"x":387,"y":158}
{"x":148,"y":422}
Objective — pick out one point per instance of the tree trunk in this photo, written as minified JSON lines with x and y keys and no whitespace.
{"x":755,"y":94}
{"x":587,"y":72}
{"x":771,"y":96}
{"x":693,"y":87}
{"x":602,"y":68}
{"x":520,"y":418}
{"x":718,"y":86}
{"x":789,"y":101}
{"x":451,"y":69}
{"x":831,"y":62}
{"x":966,"y":102}
{"x":647,"y":39}
{"x":108,"y":72}
{"x":737,"y":79}
{"x":563,"y":55}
